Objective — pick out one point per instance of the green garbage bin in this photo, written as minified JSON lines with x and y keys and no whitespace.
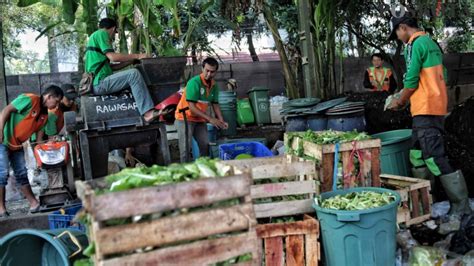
{"x":361,"y":237}
{"x":395,"y":152}
{"x":58,"y":247}
{"x":260,"y":104}
{"x":244,"y":112}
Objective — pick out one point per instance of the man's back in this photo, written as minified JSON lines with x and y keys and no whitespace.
{"x":98,"y":45}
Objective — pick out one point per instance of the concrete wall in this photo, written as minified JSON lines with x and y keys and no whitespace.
{"x":268,"y":74}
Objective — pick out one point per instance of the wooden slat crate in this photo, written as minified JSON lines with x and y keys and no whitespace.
{"x":369,"y":169}
{"x":290,"y":243}
{"x":191,"y":237}
{"x":415,"y":196}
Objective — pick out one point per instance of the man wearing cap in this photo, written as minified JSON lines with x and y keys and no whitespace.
{"x":99,"y":52}
{"x":425,"y":88}
{"x":56,"y":115}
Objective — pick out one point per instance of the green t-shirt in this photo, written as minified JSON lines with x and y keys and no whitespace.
{"x":98,"y":45}
{"x":50,"y":129}
{"x":196,"y":91}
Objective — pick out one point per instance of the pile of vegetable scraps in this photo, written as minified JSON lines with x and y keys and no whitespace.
{"x":357,"y":201}
{"x":130,"y":178}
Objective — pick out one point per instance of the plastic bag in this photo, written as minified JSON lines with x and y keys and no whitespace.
{"x":421,"y":256}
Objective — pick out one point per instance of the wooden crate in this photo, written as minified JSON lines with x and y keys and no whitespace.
{"x":290,"y":243}
{"x":195,"y":237}
{"x":415,"y":197}
{"x":369,"y":169}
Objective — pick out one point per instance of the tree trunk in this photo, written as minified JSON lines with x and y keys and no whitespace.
{"x":81,"y":52}
{"x":52,"y":54}
{"x":398,"y":65}
{"x":252,"y":51}
{"x":3,"y":80}
{"x":291,"y":88}
{"x":194,"y":54}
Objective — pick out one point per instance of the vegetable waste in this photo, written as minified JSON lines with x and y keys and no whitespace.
{"x":357,"y":201}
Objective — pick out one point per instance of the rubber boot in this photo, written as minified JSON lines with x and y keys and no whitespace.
{"x":425,"y":173}
{"x":456,"y":190}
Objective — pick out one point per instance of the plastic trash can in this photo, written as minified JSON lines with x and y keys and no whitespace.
{"x":59,"y":247}
{"x":395,"y":152}
{"x":244,"y":112}
{"x":260,"y":104}
{"x":361,"y":237}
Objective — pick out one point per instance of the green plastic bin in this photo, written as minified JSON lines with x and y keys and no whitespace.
{"x":244,"y":112}
{"x":395,"y":152}
{"x":36,"y":247}
{"x":359,"y":238}
{"x":260,"y":104}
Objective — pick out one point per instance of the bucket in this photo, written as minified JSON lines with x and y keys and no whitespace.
{"x":56,"y":247}
{"x":317,"y":122}
{"x":347,"y":122}
{"x":361,"y":237}
{"x":295,"y":124}
{"x":395,"y":152}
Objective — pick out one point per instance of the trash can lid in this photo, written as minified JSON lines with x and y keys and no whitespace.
{"x":257,"y":89}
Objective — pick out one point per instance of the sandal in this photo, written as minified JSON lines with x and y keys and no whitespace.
{"x":35,"y":210}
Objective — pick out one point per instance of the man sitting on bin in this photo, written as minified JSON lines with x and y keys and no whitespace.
{"x":99,"y":49}
{"x":199,"y":92}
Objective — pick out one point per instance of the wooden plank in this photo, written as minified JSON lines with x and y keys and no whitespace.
{"x":197,"y":253}
{"x":294,"y":250}
{"x":347,"y":167}
{"x":328,"y":165}
{"x":366,"y":168}
{"x":418,"y":219}
{"x":289,"y":228}
{"x":311,"y":249}
{"x":169,"y":197}
{"x":420,"y":185}
{"x":283,"y":170}
{"x":274,"y":251}
{"x":251,"y":163}
{"x":348,"y":146}
{"x":375,"y":157}
{"x":403,"y":215}
{"x":283,"y":208}
{"x":403,"y":194}
{"x":403,"y":178}
{"x":425,"y":200}
{"x":415,"y":203}
{"x":169,"y":230}
{"x":282,"y":189}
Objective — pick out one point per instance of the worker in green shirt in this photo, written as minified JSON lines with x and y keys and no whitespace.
{"x":27,"y":114}
{"x":425,"y":88}
{"x":99,"y":52}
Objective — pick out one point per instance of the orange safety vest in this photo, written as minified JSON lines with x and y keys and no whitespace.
{"x":384,"y":83}
{"x":200,"y":104}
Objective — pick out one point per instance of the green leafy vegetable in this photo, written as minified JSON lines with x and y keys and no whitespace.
{"x":358,"y":201}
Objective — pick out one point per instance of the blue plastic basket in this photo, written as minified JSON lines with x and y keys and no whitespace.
{"x":57,"y":220}
{"x":232,"y":150}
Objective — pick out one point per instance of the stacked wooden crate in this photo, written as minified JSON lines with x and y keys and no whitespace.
{"x":284,"y":186}
{"x":368,"y":156}
{"x":213,"y":220}
{"x":416,"y":198}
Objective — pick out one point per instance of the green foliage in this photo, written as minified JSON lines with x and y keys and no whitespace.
{"x":358,"y":201}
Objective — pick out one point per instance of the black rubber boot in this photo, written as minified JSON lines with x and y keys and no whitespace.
{"x":456,"y":189}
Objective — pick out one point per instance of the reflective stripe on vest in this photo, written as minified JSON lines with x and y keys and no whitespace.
{"x":385,"y":85}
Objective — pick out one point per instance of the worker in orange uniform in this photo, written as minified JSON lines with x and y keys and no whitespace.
{"x":425,"y":88}
{"x":379,"y":78}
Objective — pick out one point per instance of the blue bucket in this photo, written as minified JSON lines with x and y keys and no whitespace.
{"x":347,"y":123}
{"x":317,"y":122}
{"x":296,"y":124}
